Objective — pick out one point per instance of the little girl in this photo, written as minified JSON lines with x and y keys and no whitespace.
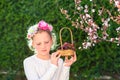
{"x":43,"y":65}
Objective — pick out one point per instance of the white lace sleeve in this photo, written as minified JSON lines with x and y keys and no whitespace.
{"x":65,"y":72}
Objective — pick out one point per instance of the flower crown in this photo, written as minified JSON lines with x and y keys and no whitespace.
{"x":42,"y":25}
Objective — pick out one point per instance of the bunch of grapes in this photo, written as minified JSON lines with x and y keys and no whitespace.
{"x":67,"y":46}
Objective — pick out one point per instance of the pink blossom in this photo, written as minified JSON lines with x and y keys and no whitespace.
{"x":94,"y":36}
{"x":117,"y":3}
{"x":112,"y":39}
{"x":90,"y":30}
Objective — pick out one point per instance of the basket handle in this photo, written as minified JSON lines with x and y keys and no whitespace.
{"x":61,"y":35}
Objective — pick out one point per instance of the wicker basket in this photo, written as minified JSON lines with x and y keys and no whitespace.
{"x":68,"y":52}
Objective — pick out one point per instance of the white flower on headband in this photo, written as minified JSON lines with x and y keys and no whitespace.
{"x":31,"y":31}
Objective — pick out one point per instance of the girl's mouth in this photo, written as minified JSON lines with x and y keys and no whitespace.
{"x":43,"y":50}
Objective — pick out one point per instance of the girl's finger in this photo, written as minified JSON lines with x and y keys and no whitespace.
{"x":72,"y":58}
{"x":53,"y":54}
{"x":75,"y":57}
{"x":59,"y":55}
{"x":66,"y":58}
{"x":56,"y":53}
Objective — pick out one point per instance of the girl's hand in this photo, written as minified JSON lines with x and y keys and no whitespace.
{"x":55,"y":57}
{"x":69,"y":62}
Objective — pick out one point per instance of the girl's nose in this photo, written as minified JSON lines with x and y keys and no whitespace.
{"x":43,"y":46}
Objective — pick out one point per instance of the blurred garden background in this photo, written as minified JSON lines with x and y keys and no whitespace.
{"x":96,"y":32}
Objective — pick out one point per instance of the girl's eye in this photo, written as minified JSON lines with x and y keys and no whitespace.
{"x":38,"y":44}
{"x":47,"y":42}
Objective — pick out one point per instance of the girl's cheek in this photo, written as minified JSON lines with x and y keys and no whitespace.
{"x":37,"y":47}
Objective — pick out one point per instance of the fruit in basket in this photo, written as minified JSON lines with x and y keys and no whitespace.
{"x":66,"y":49}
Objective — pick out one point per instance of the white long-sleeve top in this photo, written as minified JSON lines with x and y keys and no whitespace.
{"x":38,"y":69}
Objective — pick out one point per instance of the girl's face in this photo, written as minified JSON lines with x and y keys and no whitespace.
{"x":42,"y":42}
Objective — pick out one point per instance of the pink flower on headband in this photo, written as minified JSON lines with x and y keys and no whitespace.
{"x":44,"y":26}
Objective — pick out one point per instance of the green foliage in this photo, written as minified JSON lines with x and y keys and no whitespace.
{"x":17,"y":16}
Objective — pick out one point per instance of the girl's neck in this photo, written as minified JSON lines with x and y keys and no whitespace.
{"x":43,"y":57}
